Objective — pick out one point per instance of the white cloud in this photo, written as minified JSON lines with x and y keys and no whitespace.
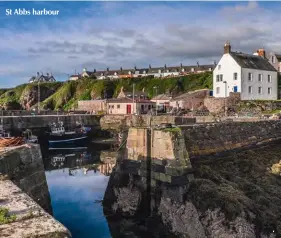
{"x":141,"y":34}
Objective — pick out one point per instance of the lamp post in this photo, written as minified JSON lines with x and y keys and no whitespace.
{"x":155,"y":87}
{"x":225,"y":111}
{"x":133,"y":98}
{"x":38,"y":96}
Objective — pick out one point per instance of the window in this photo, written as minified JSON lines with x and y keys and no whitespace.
{"x":250,"y":89}
{"x":218,"y":78}
{"x":259,"y":90}
{"x":250,"y":76}
{"x":269,"y":79}
{"x":269,"y":90}
{"x":273,"y":59}
{"x":260,"y":77}
{"x":235,"y":76}
{"x":210,"y":69}
{"x":219,"y":67}
{"x":218,"y":90}
{"x":112,"y":106}
{"x":221,"y":77}
{"x":118,"y":106}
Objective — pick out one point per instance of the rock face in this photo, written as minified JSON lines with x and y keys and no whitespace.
{"x":233,"y":196}
{"x":29,"y":96}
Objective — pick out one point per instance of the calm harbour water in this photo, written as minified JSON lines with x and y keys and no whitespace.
{"x":77,"y":190}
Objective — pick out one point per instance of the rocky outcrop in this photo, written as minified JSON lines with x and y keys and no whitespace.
{"x":29,"y":96}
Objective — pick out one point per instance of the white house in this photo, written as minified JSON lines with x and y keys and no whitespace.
{"x":250,"y":75}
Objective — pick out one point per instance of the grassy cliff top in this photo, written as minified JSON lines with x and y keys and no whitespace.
{"x":67,"y":94}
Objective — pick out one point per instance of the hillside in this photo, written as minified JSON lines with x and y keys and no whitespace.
{"x":66,"y":95}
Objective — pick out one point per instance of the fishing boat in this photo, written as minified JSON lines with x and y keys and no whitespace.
{"x":59,"y":138}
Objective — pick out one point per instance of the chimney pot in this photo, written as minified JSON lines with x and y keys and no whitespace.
{"x":227,"y":47}
{"x":261,"y":52}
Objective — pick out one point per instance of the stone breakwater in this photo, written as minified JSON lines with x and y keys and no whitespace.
{"x":208,"y":139}
{"x":24,"y":191}
{"x":155,"y":182}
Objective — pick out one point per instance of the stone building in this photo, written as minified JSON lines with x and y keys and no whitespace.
{"x":251,"y":75}
{"x":42,"y":78}
{"x":129,"y":106}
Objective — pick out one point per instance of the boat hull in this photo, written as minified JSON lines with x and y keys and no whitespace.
{"x":68,"y":141}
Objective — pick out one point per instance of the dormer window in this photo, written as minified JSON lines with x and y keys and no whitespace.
{"x":115,"y":73}
{"x":101,"y":74}
{"x":159,"y":71}
{"x":167,"y":71}
{"x":192,"y":69}
{"x":210,"y":69}
{"x":182,"y":70}
{"x":129,"y":72}
{"x":144,"y":72}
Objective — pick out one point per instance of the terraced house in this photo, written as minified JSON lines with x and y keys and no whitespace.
{"x":251,"y":75}
{"x":159,"y":72}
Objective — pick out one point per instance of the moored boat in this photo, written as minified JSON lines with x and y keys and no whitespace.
{"x":58,"y":137}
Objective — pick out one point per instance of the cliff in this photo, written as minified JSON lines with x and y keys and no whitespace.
{"x":65,"y":95}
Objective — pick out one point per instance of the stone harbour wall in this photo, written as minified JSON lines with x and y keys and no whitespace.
{"x":218,"y":137}
{"x":165,"y":154}
{"x":24,"y":191}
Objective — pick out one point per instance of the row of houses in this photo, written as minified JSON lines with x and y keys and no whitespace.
{"x":159,"y":72}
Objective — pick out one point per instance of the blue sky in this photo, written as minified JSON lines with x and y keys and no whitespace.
{"x":97,"y":35}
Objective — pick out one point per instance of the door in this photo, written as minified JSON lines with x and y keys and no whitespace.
{"x":235,"y":89}
{"x":129,"y":109}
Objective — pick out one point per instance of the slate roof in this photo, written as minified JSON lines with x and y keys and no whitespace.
{"x":252,"y":61}
{"x":153,"y":70}
{"x":278,"y":57}
{"x":127,"y":100}
{"x":161,"y":97}
{"x":42,"y":78}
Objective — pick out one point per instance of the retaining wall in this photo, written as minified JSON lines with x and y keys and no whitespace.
{"x":23,"y":186}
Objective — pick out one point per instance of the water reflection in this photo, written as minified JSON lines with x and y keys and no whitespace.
{"x":77,"y":181}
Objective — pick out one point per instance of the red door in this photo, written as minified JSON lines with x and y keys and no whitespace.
{"x":128,"y":108}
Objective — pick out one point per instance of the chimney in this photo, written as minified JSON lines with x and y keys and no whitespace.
{"x":227,"y":47}
{"x":47,"y":74}
{"x":197,"y":64}
{"x":261,"y":52}
{"x":181,"y":65}
{"x":95,"y":70}
{"x":215,"y":63}
{"x":121,"y":69}
{"x":38,"y":74}
{"x":165,"y":66}
{"x":107,"y":69}
{"x":135,"y":67}
{"x":149,"y":66}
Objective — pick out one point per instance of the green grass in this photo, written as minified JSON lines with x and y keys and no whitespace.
{"x":5,"y":216}
{"x":67,"y":94}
